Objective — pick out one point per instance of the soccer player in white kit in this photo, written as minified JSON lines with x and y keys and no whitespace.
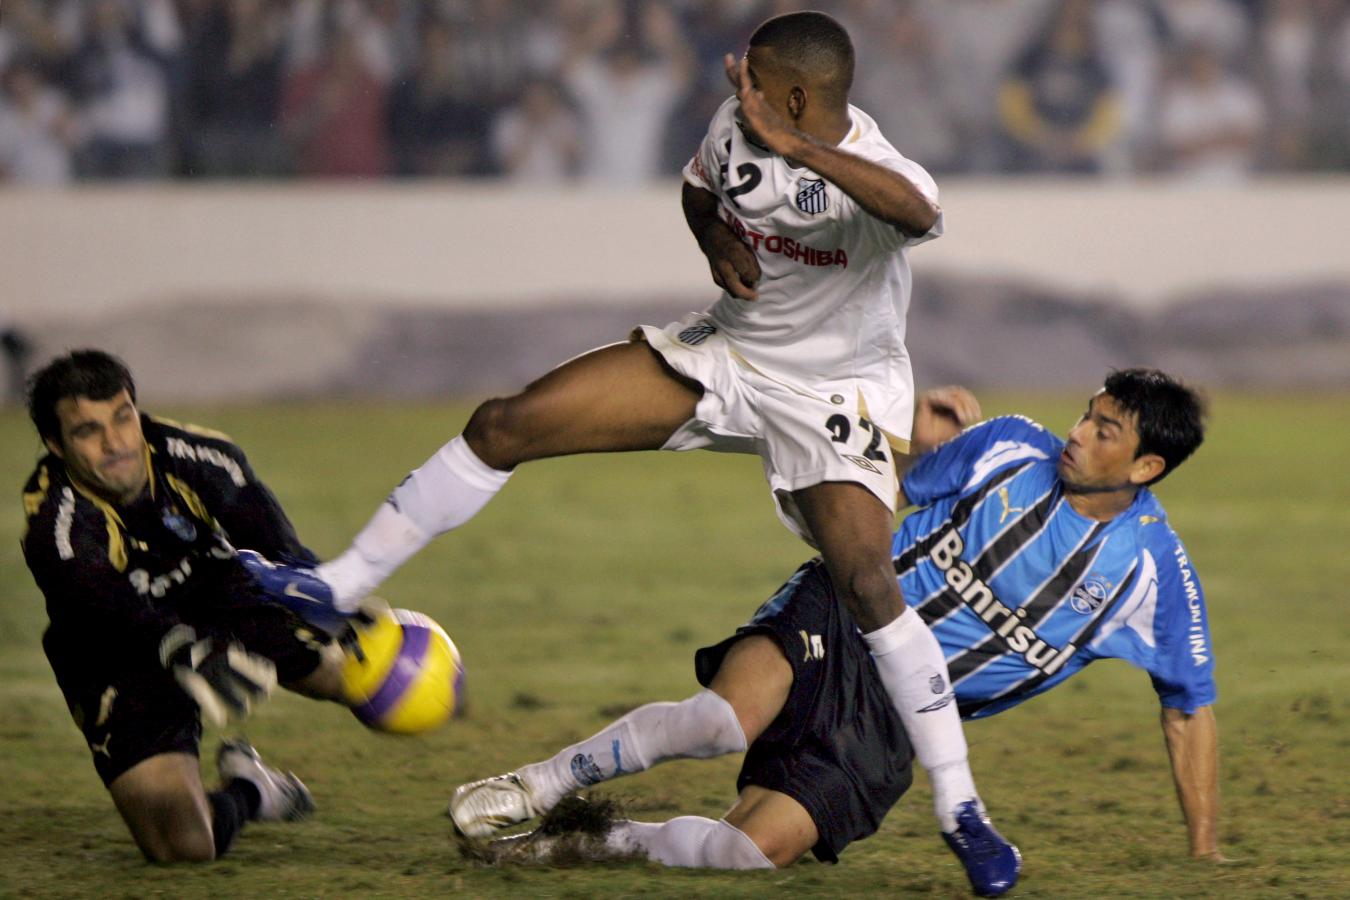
{"x":805,"y":213}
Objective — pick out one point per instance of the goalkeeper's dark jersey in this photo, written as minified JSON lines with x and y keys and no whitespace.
{"x":117,"y":578}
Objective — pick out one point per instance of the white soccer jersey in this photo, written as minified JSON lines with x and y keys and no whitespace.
{"x":835,"y":282}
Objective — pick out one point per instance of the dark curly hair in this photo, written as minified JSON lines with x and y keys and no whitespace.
{"x":1170,"y":416}
{"x":79,"y":373}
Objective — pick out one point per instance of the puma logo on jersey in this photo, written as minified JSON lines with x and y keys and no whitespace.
{"x":103,"y":747}
{"x":1008,"y":508}
{"x":105,"y":706}
{"x":813,"y":646}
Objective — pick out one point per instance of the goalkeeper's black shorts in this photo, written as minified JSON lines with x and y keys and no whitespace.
{"x":838,"y":747}
{"x":133,"y":709}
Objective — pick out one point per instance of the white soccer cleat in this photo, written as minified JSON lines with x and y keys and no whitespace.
{"x":284,"y":797}
{"x":480,"y":809}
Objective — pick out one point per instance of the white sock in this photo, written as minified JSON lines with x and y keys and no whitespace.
{"x":700,"y":727}
{"x":914,"y":673}
{"x":688,"y":841}
{"x":444,"y":493}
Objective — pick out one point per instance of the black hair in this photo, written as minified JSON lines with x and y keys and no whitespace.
{"x":1169,"y":416}
{"x":812,"y":42}
{"x":80,"y":373}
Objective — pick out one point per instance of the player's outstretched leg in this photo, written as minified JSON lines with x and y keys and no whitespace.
{"x":764,"y":830}
{"x":620,"y":397}
{"x":853,"y":530}
{"x":746,"y":694}
{"x":701,"y":727}
{"x":685,"y":842}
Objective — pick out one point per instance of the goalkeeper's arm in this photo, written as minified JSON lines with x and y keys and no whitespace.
{"x":225,"y":681}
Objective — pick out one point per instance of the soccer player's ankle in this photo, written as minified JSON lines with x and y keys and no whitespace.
{"x":544,"y":784}
{"x":350,"y":578}
{"x":953,"y":785}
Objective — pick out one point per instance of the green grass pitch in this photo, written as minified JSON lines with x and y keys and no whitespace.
{"x":584,"y":589}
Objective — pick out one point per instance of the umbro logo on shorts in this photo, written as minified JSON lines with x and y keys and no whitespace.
{"x":811,"y":196}
{"x":697,"y":334}
{"x":862,"y":462}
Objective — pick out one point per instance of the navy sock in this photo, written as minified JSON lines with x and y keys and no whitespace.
{"x":232,"y":806}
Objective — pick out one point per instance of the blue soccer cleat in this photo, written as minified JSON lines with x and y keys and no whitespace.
{"x":298,"y":588}
{"x":992,"y":864}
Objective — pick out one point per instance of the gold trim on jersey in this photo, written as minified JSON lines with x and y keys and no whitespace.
{"x":198,"y":430}
{"x":150,"y":467}
{"x":32,"y":500}
{"x":117,"y":548}
{"x":194,"y":502}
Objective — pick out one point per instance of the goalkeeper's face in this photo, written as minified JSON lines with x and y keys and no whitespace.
{"x":103,"y":446}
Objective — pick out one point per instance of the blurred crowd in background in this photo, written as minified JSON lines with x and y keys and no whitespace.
{"x":621,"y":91}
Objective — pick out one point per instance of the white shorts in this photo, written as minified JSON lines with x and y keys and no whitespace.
{"x":802,"y":437}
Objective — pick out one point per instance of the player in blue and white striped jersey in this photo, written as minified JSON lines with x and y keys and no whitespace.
{"x":1032,"y":556}
{"x":1027,"y":571}
{"x":1029,"y":557}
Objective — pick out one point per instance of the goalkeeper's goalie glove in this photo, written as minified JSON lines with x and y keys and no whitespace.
{"x":225,"y":681}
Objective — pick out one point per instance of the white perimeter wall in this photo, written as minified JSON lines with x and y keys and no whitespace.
{"x":96,"y":249}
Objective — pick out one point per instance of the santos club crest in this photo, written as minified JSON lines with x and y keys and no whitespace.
{"x":811,"y":196}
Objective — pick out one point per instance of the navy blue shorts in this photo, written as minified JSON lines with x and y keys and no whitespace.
{"x":838,"y":747}
{"x":130,"y":708}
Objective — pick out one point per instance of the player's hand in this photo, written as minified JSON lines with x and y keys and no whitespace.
{"x":734,"y":266}
{"x":225,"y":681}
{"x":765,"y":125}
{"x":940,"y":414}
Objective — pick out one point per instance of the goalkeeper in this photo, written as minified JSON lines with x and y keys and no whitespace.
{"x":154,"y":621}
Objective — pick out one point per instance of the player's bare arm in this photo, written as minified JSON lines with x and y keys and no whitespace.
{"x":939,"y":415}
{"x":734,"y":266}
{"x":887,"y":195}
{"x":1193,"y":746}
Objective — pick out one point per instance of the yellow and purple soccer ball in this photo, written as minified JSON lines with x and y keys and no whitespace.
{"x":408,"y":677}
